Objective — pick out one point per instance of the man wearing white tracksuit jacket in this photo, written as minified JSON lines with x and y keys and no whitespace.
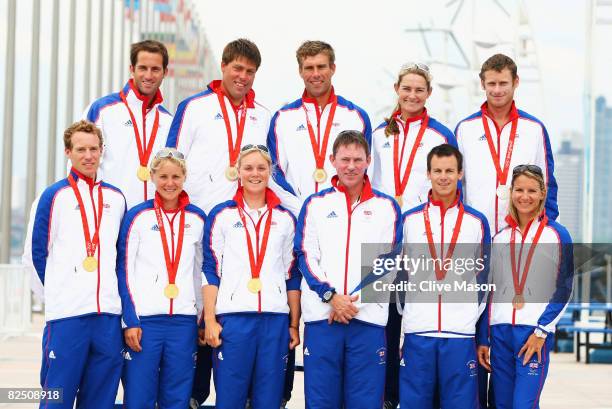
{"x":70,"y":246}
{"x":134,"y":123}
{"x":496,"y":139}
{"x":344,"y":360}
{"x":439,"y":325}
{"x":302,"y":133}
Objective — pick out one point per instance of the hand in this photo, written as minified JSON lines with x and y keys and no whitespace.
{"x":483,"y":357}
{"x":132,"y":338}
{"x":533,"y":344}
{"x":294,"y":337}
{"x":343,"y":309}
{"x":201,"y":337}
{"x":213,"y":333}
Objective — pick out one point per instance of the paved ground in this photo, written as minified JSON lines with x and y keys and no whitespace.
{"x":569,"y":385}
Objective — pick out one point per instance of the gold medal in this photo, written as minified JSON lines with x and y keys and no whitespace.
{"x":143,"y":173}
{"x":518,"y":302}
{"x":231,"y":173}
{"x":319,"y":175}
{"x":254,"y":285}
{"x":171,"y":291}
{"x":90,"y":264}
{"x":400,"y":200}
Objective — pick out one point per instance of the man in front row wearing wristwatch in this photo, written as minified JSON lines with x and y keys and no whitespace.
{"x":344,"y":341}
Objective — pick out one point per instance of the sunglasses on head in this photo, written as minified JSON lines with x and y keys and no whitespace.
{"x":417,"y":65}
{"x":169,"y":153}
{"x":251,"y":147}
{"x":530,"y":168}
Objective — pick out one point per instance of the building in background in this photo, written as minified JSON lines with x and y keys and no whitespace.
{"x":602,"y":182}
{"x":569,"y":171}
{"x":78,"y":51}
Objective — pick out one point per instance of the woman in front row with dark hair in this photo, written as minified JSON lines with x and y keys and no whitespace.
{"x":252,"y":295}
{"x":532,"y":268}
{"x":159,"y":264}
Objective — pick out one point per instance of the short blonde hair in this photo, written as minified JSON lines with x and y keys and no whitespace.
{"x":531,"y":175}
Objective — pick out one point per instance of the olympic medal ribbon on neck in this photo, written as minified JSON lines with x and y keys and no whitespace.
{"x":441,"y":272}
{"x":172,"y":261}
{"x":400,"y":184}
{"x":143,"y":153}
{"x":91,"y":243}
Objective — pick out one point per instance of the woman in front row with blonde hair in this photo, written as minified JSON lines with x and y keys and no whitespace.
{"x":532,"y":267}
{"x":399,"y":168}
{"x":159,"y":266}
{"x":252,"y":288}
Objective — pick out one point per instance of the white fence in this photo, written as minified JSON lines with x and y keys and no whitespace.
{"x":15,"y":299}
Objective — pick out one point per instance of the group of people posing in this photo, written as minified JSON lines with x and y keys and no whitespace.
{"x":183,"y":243}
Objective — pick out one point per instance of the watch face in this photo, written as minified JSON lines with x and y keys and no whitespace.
{"x":328,"y":295}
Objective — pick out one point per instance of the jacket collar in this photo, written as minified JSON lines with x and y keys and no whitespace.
{"x":310,"y":100}
{"x":78,"y":175}
{"x":130,"y":86}
{"x":272,"y":200}
{"x":366,"y":193}
{"x":215,"y":86}
{"x":514,"y":223}
{"x":438,"y":203}
{"x":183,"y":200}
{"x":513,"y":111}
{"x":398,"y":117}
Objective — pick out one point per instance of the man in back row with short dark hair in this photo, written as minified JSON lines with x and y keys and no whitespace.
{"x":134,"y":123}
{"x":302,"y":133}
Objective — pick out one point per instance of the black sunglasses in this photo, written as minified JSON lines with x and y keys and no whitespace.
{"x":530,"y":168}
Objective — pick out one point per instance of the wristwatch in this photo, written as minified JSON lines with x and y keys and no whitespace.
{"x":328,"y":295}
{"x":539,"y":333}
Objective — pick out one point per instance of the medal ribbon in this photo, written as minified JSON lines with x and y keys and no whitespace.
{"x":502,"y":174}
{"x":261,"y":253}
{"x":91,"y":243}
{"x":143,"y":155}
{"x":400,"y":185}
{"x":319,"y":151}
{"x":519,"y":286}
{"x":441,"y":273}
{"x":233,"y":148}
{"x":171,"y":263}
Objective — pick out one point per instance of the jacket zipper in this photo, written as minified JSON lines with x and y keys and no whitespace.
{"x":442,"y":214}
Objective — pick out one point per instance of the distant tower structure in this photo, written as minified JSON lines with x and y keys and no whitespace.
{"x":598,"y":19}
{"x":569,"y":171}
{"x":602,"y":173}
{"x":457,"y":36}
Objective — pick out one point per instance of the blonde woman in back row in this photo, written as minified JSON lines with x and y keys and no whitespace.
{"x":399,"y":168}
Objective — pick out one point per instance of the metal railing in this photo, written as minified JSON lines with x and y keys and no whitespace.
{"x":15,"y":300}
